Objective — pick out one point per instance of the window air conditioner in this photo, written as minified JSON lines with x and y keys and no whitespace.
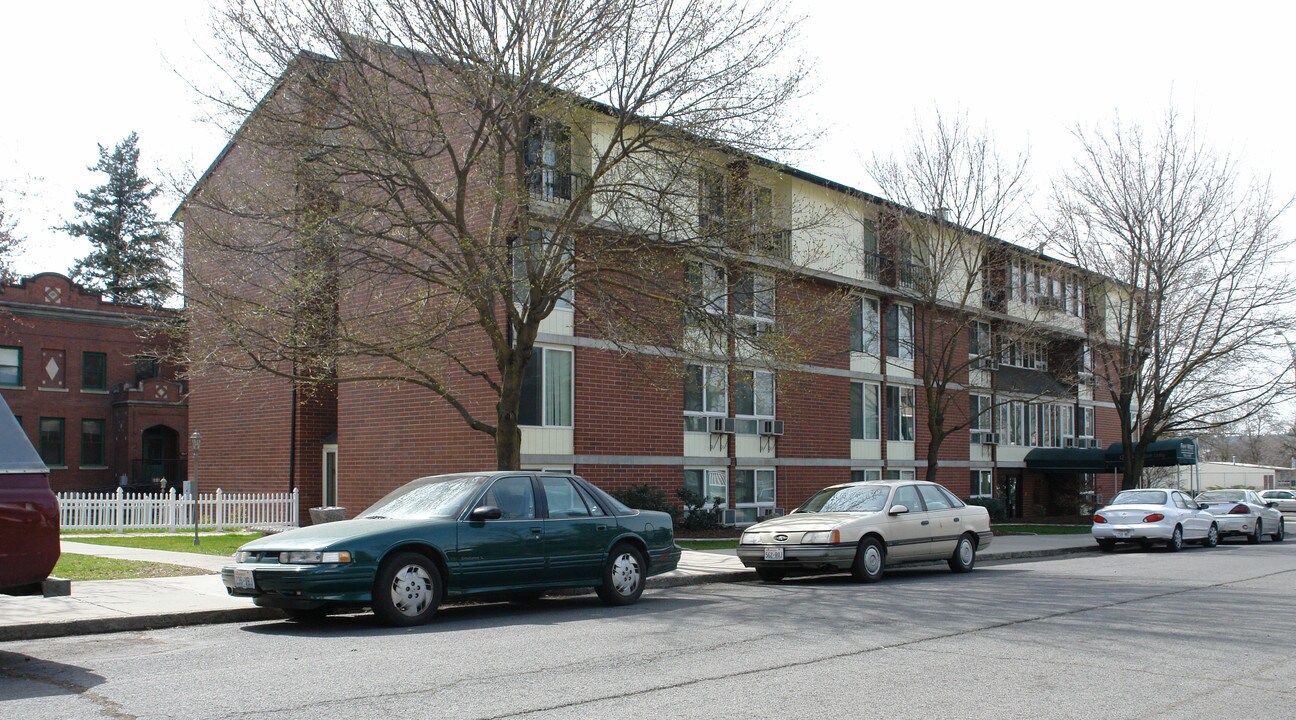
{"x":729,"y":517}
{"x":989,"y":438}
{"x":721,"y":425}
{"x":770,"y":427}
{"x":1068,"y":442}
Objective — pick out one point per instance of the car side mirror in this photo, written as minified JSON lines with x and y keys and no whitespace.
{"x":485,"y":512}
{"x":1271,"y":504}
{"x":898,"y":510}
{"x":1203,"y":506}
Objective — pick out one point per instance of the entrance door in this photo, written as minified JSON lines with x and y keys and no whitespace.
{"x":159,"y":452}
{"x":330,"y":476}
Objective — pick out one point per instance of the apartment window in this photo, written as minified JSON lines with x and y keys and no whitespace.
{"x":1085,"y":422}
{"x":547,"y":389}
{"x":980,"y":343}
{"x":94,"y":371}
{"x":51,"y":441}
{"x":865,"y":413}
{"x":869,"y":475}
{"x":979,"y":412}
{"x":709,"y":484}
{"x":548,"y":161}
{"x":754,"y":302}
{"x":711,"y":201}
{"x":11,"y":366}
{"x":544,"y":255}
{"x":865,"y":335}
{"x":706,"y":287}
{"x":902,"y":475}
{"x":1085,"y":362}
{"x":753,"y":398}
{"x":705,"y":394}
{"x":982,"y":484}
{"x":1029,"y":354}
{"x":92,"y":442}
{"x":900,"y":413}
{"x":900,"y":332}
{"x":753,"y":492}
{"x":146,"y":367}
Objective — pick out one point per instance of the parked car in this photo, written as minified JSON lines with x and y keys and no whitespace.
{"x":29,"y":512}
{"x":1286,"y":499}
{"x":452,"y":536}
{"x":864,"y":527}
{"x":1148,"y":516}
{"x":1243,"y":512}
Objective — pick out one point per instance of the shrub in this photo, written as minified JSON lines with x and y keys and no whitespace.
{"x":646,"y":497}
{"x":697,"y":516}
{"x":995,"y":506}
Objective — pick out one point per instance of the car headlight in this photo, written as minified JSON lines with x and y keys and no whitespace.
{"x":821,"y":537}
{"x":313,"y":557}
{"x":242,"y":556}
{"x":750,"y":538}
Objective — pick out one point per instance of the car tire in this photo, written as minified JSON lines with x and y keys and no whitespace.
{"x":964,"y":557}
{"x":1212,"y":537}
{"x":1175,"y":543}
{"x":1256,"y":532}
{"x":1106,"y":545}
{"x":770,"y":575}
{"x":623,"y":576}
{"x":1281,"y":532}
{"x":406,"y":590}
{"x":870,"y":561}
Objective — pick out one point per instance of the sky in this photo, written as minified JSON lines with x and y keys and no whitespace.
{"x":78,"y":74}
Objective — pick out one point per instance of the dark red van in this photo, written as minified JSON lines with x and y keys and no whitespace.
{"x":29,"y":516}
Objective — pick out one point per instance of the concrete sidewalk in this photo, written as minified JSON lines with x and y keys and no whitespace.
{"x":118,"y":605}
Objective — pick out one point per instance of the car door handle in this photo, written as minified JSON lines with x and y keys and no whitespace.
{"x":600,"y":528}
{"x":926,"y":522}
{"x":536,"y":531}
{"x":956,"y":519}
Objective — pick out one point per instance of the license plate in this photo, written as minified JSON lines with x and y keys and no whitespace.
{"x":243,"y":579}
{"x":1121,"y":533}
{"x":775,"y":553}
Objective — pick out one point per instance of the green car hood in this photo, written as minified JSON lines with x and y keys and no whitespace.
{"x":334,"y":534}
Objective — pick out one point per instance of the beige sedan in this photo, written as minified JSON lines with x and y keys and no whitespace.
{"x":866,"y":526}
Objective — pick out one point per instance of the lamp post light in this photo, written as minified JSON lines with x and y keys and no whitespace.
{"x":195,"y":442}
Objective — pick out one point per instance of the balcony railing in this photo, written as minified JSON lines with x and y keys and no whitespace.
{"x":554,"y":185}
{"x":774,"y":243}
{"x":874,"y":264}
{"x":912,"y":276}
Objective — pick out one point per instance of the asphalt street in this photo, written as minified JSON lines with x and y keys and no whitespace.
{"x":1198,"y":634}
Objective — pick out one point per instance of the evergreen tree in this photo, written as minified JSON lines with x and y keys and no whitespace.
{"x":129,"y":261}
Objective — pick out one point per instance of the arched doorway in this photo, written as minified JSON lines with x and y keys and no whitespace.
{"x":159,"y":456}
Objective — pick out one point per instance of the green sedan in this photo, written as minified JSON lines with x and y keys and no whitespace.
{"x":455,"y":536}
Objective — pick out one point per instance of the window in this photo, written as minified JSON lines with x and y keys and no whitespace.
{"x":92,"y":442}
{"x":980,"y":346}
{"x":1085,"y":362}
{"x":146,"y":367}
{"x":1029,"y":354}
{"x":900,"y":329}
{"x":705,"y":394}
{"x":865,"y":333}
{"x":563,"y":498}
{"x":869,"y":475}
{"x":753,"y":398}
{"x":1085,"y":420}
{"x":754,"y":303}
{"x":905,"y":475}
{"x":869,"y":243}
{"x":979,"y":412}
{"x":706,"y":287}
{"x":547,"y":389}
{"x":545,"y":255}
{"x":710,"y":485}
{"x":51,"y":441}
{"x":935,"y":498}
{"x":711,"y":201}
{"x":10,"y":366}
{"x":548,"y":161}
{"x":513,"y":495}
{"x":982,"y":484}
{"x":753,"y":490}
{"x":94,"y":371}
{"x":866,"y":416}
{"x":900,"y":413}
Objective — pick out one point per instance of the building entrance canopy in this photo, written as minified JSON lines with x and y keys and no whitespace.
{"x":1162,"y":453}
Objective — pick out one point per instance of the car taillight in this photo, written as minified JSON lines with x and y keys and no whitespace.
{"x":1099,"y":519}
{"x":1240,"y":509}
{"x":1154,"y":517}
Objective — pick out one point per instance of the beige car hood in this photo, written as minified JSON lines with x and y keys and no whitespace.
{"x":802,"y":522}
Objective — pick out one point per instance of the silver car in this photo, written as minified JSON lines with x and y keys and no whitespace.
{"x":1243,"y":512}
{"x":1286,"y":499}
{"x":1148,"y":516}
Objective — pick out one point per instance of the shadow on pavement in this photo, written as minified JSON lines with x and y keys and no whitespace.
{"x":23,"y":677}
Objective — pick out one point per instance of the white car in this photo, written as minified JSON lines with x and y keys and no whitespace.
{"x":1153,"y":515}
{"x":1243,"y":512}
{"x":1286,"y":499}
{"x":863,"y":527}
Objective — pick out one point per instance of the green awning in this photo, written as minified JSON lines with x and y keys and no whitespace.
{"x":1080,"y":460}
{"x":1160,"y":453}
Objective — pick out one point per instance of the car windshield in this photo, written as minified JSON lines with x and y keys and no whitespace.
{"x":1222,"y":496}
{"x":429,"y":497}
{"x":1140,"y":497}
{"x":851,"y":498}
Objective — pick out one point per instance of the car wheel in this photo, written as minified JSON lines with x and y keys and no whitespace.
{"x":770,"y":575}
{"x":1256,"y":532}
{"x":1175,"y":543}
{"x":623,"y":576}
{"x":407,"y":590}
{"x":1212,"y":536}
{"x":870,"y":561}
{"x":964,"y":557}
{"x":307,"y":616}
{"x":1106,"y":545}
{"x":1282,"y":531}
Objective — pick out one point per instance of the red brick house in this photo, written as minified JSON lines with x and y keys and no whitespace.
{"x":759,"y":439}
{"x":84,"y":378}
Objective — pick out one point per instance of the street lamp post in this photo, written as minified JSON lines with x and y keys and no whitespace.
{"x":195,"y":441}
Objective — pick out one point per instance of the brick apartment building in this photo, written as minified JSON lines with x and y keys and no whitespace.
{"x":760,"y":440}
{"x":83,"y":377}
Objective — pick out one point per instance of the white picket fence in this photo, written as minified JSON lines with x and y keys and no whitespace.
{"x":120,"y":511}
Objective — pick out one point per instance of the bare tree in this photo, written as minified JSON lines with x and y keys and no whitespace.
{"x":426,"y":182}
{"x":10,"y":243}
{"x":1185,"y":328}
{"x":957,"y":192}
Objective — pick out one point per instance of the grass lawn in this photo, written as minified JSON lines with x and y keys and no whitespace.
{"x":88,"y":567}
{"x":721,"y":544}
{"x":1025,"y":529}
{"x":211,"y":544}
